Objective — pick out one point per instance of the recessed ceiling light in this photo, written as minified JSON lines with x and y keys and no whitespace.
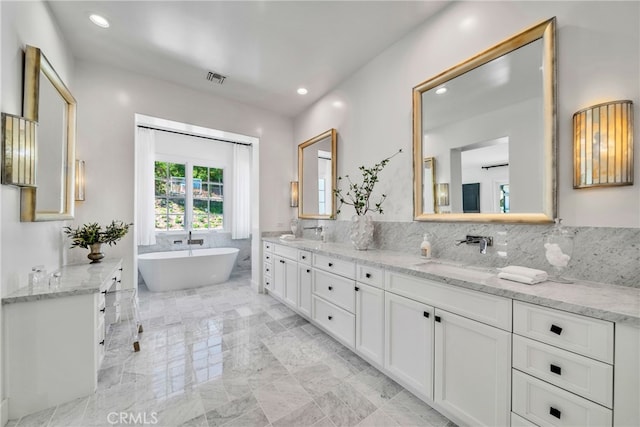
{"x":100,"y":21}
{"x":302,"y":91}
{"x":441,"y":90}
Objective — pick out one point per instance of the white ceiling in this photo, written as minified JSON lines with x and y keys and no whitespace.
{"x":267,"y":49}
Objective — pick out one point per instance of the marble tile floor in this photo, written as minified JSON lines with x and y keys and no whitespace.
{"x":223,"y":355}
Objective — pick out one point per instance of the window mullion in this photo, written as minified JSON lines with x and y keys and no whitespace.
{"x":188,"y":203}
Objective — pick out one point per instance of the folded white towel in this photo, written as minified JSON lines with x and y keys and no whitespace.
{"x":532,"y":273}
{"x":287,"y":236}
{"x":522,"y":279}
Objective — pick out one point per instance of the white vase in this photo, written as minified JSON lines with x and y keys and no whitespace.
{"x":361,"y":232}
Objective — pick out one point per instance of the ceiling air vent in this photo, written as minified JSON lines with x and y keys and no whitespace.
{"x":215,"y":77}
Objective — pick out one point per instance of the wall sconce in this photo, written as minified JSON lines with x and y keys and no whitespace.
{"x":79,"y":180}
{"x":603,"y":145}
{"x":18,"y":151}
{"x":294,"y":193}
{"x":442,"y":193}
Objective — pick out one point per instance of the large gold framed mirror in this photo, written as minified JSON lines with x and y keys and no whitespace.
{"x":490,"y":125}
{"x":48,"y":101}
{"x":317,"y":176}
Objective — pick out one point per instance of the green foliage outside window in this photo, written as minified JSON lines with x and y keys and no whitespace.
{"x":171,"y":196}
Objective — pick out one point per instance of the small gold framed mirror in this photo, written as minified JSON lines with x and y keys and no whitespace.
{"x":317,"y":176}
{"x":48,"y":101}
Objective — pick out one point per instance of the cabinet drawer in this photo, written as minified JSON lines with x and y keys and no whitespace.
{"x":268,"y":283}
{"x":337,"y":266}
{"x":267,"y":257}
{"x":285,"y":251}
{"x":304,"y":257}
{"x":268,"y":269}
{"x":581,"y":375}
{"x":485,"y":308}
{"x":370,"y":275}
{"x":335,"y":320}
{"x":580,"y":334}
{"x":267,"y":247}
{"x":545,"y":404}
{"x":335,"y":289}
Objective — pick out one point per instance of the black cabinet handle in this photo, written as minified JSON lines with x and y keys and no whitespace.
{"x":438,"y":319}
{"x":330,"y":264}
{"x":330,"y":288}
{"x":282,"y":261}
{"x":101,"y":342}
{"x":267,"y":270}
{"x":426,"y":314}
{"x":368,"y":275}
{"x":120,"y":269}
{"x":103,"y":309}
{"x":119,"y":281}
{"x":556,"y":329}
{"x":555,"y":369}
{"x":266,"y":283}
{"x":104,"y":292}
{"x":308,"y":271}
{"x":268,"y":257}
{"x":555,"y":412}
{"x":304,"y":257}
{"x":357,"y":289}
{"x":114,"y":278}
{"x":329,"y":317}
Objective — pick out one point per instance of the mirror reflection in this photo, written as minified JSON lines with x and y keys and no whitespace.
{"x":317,"y":176}
{"x":489,"y":126}
{"x":49,"y":102}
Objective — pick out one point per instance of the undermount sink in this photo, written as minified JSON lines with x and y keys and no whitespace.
{"x":452,"y":269}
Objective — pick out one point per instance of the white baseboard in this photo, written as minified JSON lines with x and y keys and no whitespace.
{"x":255,"y":286}
{"x":4,"y":412}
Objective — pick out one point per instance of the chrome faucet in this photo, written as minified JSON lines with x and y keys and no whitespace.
{"x":317,"y":228}
{"x":483,"y":241}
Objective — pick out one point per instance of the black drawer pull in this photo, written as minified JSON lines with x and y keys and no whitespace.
{"x":118,"y":281}
{"x":555,"y":369}
{"x":266,"y":284}
{"x":268,"y":257}
{"x":329,"y":317}
{"x":556,"y":329}
{"x":267,"y":269}
{"x":357,"y":289}
{"x":438,"y":319}
{"x":120,"y":269}
{"x":330,"y":288}
{"x":426,"y":314}
{"x":103,"y":309}
{"x":308,"y":271}
{"x":114,"y":278}
{"x":555,"y":412}
{"x":330,"y":264}
{"x":304,"y":257}
{"x":368,"y":275}
{"x":282,"y":261}
{"x":104,"y":292}
{"x":101,"y":342}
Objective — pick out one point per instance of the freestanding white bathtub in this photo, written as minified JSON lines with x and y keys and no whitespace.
{"x":170,"y":271}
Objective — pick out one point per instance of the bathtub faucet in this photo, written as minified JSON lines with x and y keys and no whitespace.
{"x":191,"y":241}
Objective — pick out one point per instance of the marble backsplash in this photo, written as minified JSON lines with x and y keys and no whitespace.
{"x":607,"y":255}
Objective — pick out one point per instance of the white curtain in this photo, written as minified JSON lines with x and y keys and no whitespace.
{"x":241,"y":222}
{"x":145,"y":178}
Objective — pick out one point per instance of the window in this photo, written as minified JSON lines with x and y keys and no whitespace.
{"x":504,"y":198}
{"x":174,"y":204}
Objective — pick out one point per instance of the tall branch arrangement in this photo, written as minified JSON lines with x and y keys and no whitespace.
{"x":358,"y":195}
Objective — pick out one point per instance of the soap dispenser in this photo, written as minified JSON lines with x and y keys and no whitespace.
{"x":425,"y":247}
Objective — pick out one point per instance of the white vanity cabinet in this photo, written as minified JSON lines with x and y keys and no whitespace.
{"x":562,"y":367}
{"x":267,"y":265}
{"x":305,"y":290}
{"x":471,"y":376}
{"x":450,"y":345}
{"x":370,"y":323}
{"x":55,"y":338}
{"x":408,"y":333}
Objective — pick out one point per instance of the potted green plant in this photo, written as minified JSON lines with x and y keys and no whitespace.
{"x":92,"y":236}
{"x":358,"y":195}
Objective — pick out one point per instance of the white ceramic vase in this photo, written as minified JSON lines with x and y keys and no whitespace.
{"x":361,"y":231}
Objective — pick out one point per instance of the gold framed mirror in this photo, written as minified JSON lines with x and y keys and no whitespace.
{"x":490,"y":124}
{"x":317,"y":176}
{"x":48,"y":101}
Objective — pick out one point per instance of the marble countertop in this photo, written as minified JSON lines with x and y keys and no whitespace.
{"x":75,"y":279}
{"x":599,"y":300}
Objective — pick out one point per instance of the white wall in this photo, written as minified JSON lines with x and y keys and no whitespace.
{"x":598,"y":60}
{"x":26,"y":244}
{"x":109,"y":97}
